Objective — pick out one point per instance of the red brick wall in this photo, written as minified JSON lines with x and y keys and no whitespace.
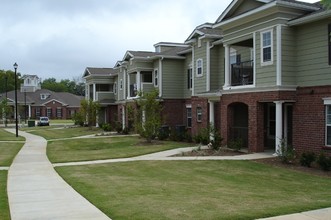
{"x":254,"y":101}
{"x":174,"y":112}
{"x":309,"y":119}
{"x":203,"y":103}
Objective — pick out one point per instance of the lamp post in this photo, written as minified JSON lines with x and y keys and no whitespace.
{"x":16,"y":118}
{"x":6,"y":80}
{"x":24,"y":106}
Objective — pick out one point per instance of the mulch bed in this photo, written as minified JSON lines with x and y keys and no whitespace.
{"x":209,"y":152}
{"x":314,"y":170}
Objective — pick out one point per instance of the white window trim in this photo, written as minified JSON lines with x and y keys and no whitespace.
{"x":327,"y":103}
{"x":326,"y":126}
{"x":197,"y":67}
{"x":156,"y":77}
{"x":199,"y":120}
{"x":187,"y":116}
{"x":263,"y":63}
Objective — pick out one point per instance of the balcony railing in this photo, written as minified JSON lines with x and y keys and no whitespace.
{"x":242,"y":73}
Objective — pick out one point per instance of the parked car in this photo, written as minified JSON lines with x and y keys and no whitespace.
{"x":43,"y":121}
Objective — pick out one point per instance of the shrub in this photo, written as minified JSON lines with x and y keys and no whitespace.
{"x":106,"y":127}
{"x":307,"y":158}
{"x":163,"y":133}
{"x":118,"y":127}
{"x":126,"y":130}
{"x":286,"y":153}
{"x":78,"y":119}
{"x":324,"y":162}
{"x":236,"y":144}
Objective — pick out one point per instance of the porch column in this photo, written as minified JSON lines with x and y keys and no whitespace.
{"x":211,"y":117}
{"x":227,"y":66}
{"x":87,"y":91}
{"x":29,"y":107}
{"x":123,"y":118}
{"x":129,"y":92}
{"x":124,"y":84}
{"x":94,"y":92}
{"x":138,"y":80}
{"x":279,"y":125}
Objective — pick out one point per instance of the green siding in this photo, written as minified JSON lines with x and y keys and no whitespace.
{"x":200,"y":82}
{"x":312,"y":54}
{"x":288,"y":56}
{"x":247,"y":5}
{"x":266,"y":75}
{"x":172,"y":78}
{"x":187,"y":63}
{"x":140,"y":66}
{"x":121,"y":92}
{"x":215,"y":67}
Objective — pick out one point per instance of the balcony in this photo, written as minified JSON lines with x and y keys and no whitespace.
{"x":242,"y":73}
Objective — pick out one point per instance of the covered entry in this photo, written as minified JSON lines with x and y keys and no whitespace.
{"x":238,"y":115}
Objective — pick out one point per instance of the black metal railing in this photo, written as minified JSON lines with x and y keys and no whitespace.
{"x":242,"y":73}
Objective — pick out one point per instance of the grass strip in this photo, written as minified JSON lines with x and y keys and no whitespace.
{"x":105,"y":148}
{"x":4,"y":206}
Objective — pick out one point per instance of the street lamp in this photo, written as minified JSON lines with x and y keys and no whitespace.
{"x":16,"y":118}
{"x":24,"y":106}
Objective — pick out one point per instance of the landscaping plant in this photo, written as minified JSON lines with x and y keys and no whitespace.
{"x":307,"y":158}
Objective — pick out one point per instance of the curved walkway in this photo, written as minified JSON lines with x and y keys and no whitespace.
{"x":36,"y":191}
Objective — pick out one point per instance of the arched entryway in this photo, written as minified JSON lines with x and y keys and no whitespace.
{"x":238,"y":124}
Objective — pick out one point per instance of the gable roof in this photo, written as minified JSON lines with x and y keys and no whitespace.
{"x":205,"y":30}
{"x":99,"y":71}
{"x":33,"y":98}
{"x":227,"y":17}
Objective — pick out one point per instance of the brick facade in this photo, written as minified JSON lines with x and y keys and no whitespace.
{"x":309,"y":119}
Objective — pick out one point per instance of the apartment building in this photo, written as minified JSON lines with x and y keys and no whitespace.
{"x":260,"y":73}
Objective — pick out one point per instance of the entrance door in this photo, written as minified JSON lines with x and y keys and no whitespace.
{"x":269,"y":125}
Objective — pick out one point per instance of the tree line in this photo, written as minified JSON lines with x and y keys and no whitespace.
{"x":75,"y":86}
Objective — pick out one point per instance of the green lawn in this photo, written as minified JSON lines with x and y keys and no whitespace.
{"x":4,"y":207}
{"x":104,"y":148}
{"x":51,"y":132}
{"x":197,"y":189}
{"x":8,"y":152}
{"x":7,"y":136}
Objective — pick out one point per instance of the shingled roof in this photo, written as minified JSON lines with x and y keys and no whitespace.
{"x":34,"y":98}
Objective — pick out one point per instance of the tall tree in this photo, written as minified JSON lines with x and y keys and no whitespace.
{"x":7,"y":80}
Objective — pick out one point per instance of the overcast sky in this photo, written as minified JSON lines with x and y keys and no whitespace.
{"x":60,"y":38}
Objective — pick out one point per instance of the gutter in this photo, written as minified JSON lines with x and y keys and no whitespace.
{"x":310,"y":18}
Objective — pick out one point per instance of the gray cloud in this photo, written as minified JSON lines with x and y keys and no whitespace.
{"x":59,"y":38}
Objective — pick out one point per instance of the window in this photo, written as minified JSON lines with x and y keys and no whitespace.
{"x":103,"y":88}
{"x":59,"y":112}
{"x":121,"y":84}
{"x":37,"y":112}
{"x":147,"y":77}
{"x":49,"y":112}
{"x":189,"y":117}
{"x":266,"y":47}
{"x":328,"y":126}
{"x":156,"y":78}
{"x":189,"y":78}
{"x":199,"y":114}
{"x":329,"y":36}
{"x":199,"y":67}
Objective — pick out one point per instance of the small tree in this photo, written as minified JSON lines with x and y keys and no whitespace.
{"x":90,"y":110}
{"x":148,"y":115}
{"x":4,"y":110}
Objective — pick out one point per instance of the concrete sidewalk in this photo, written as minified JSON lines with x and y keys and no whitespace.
{"x":36,"y":191}
{"x":321,"y":214}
